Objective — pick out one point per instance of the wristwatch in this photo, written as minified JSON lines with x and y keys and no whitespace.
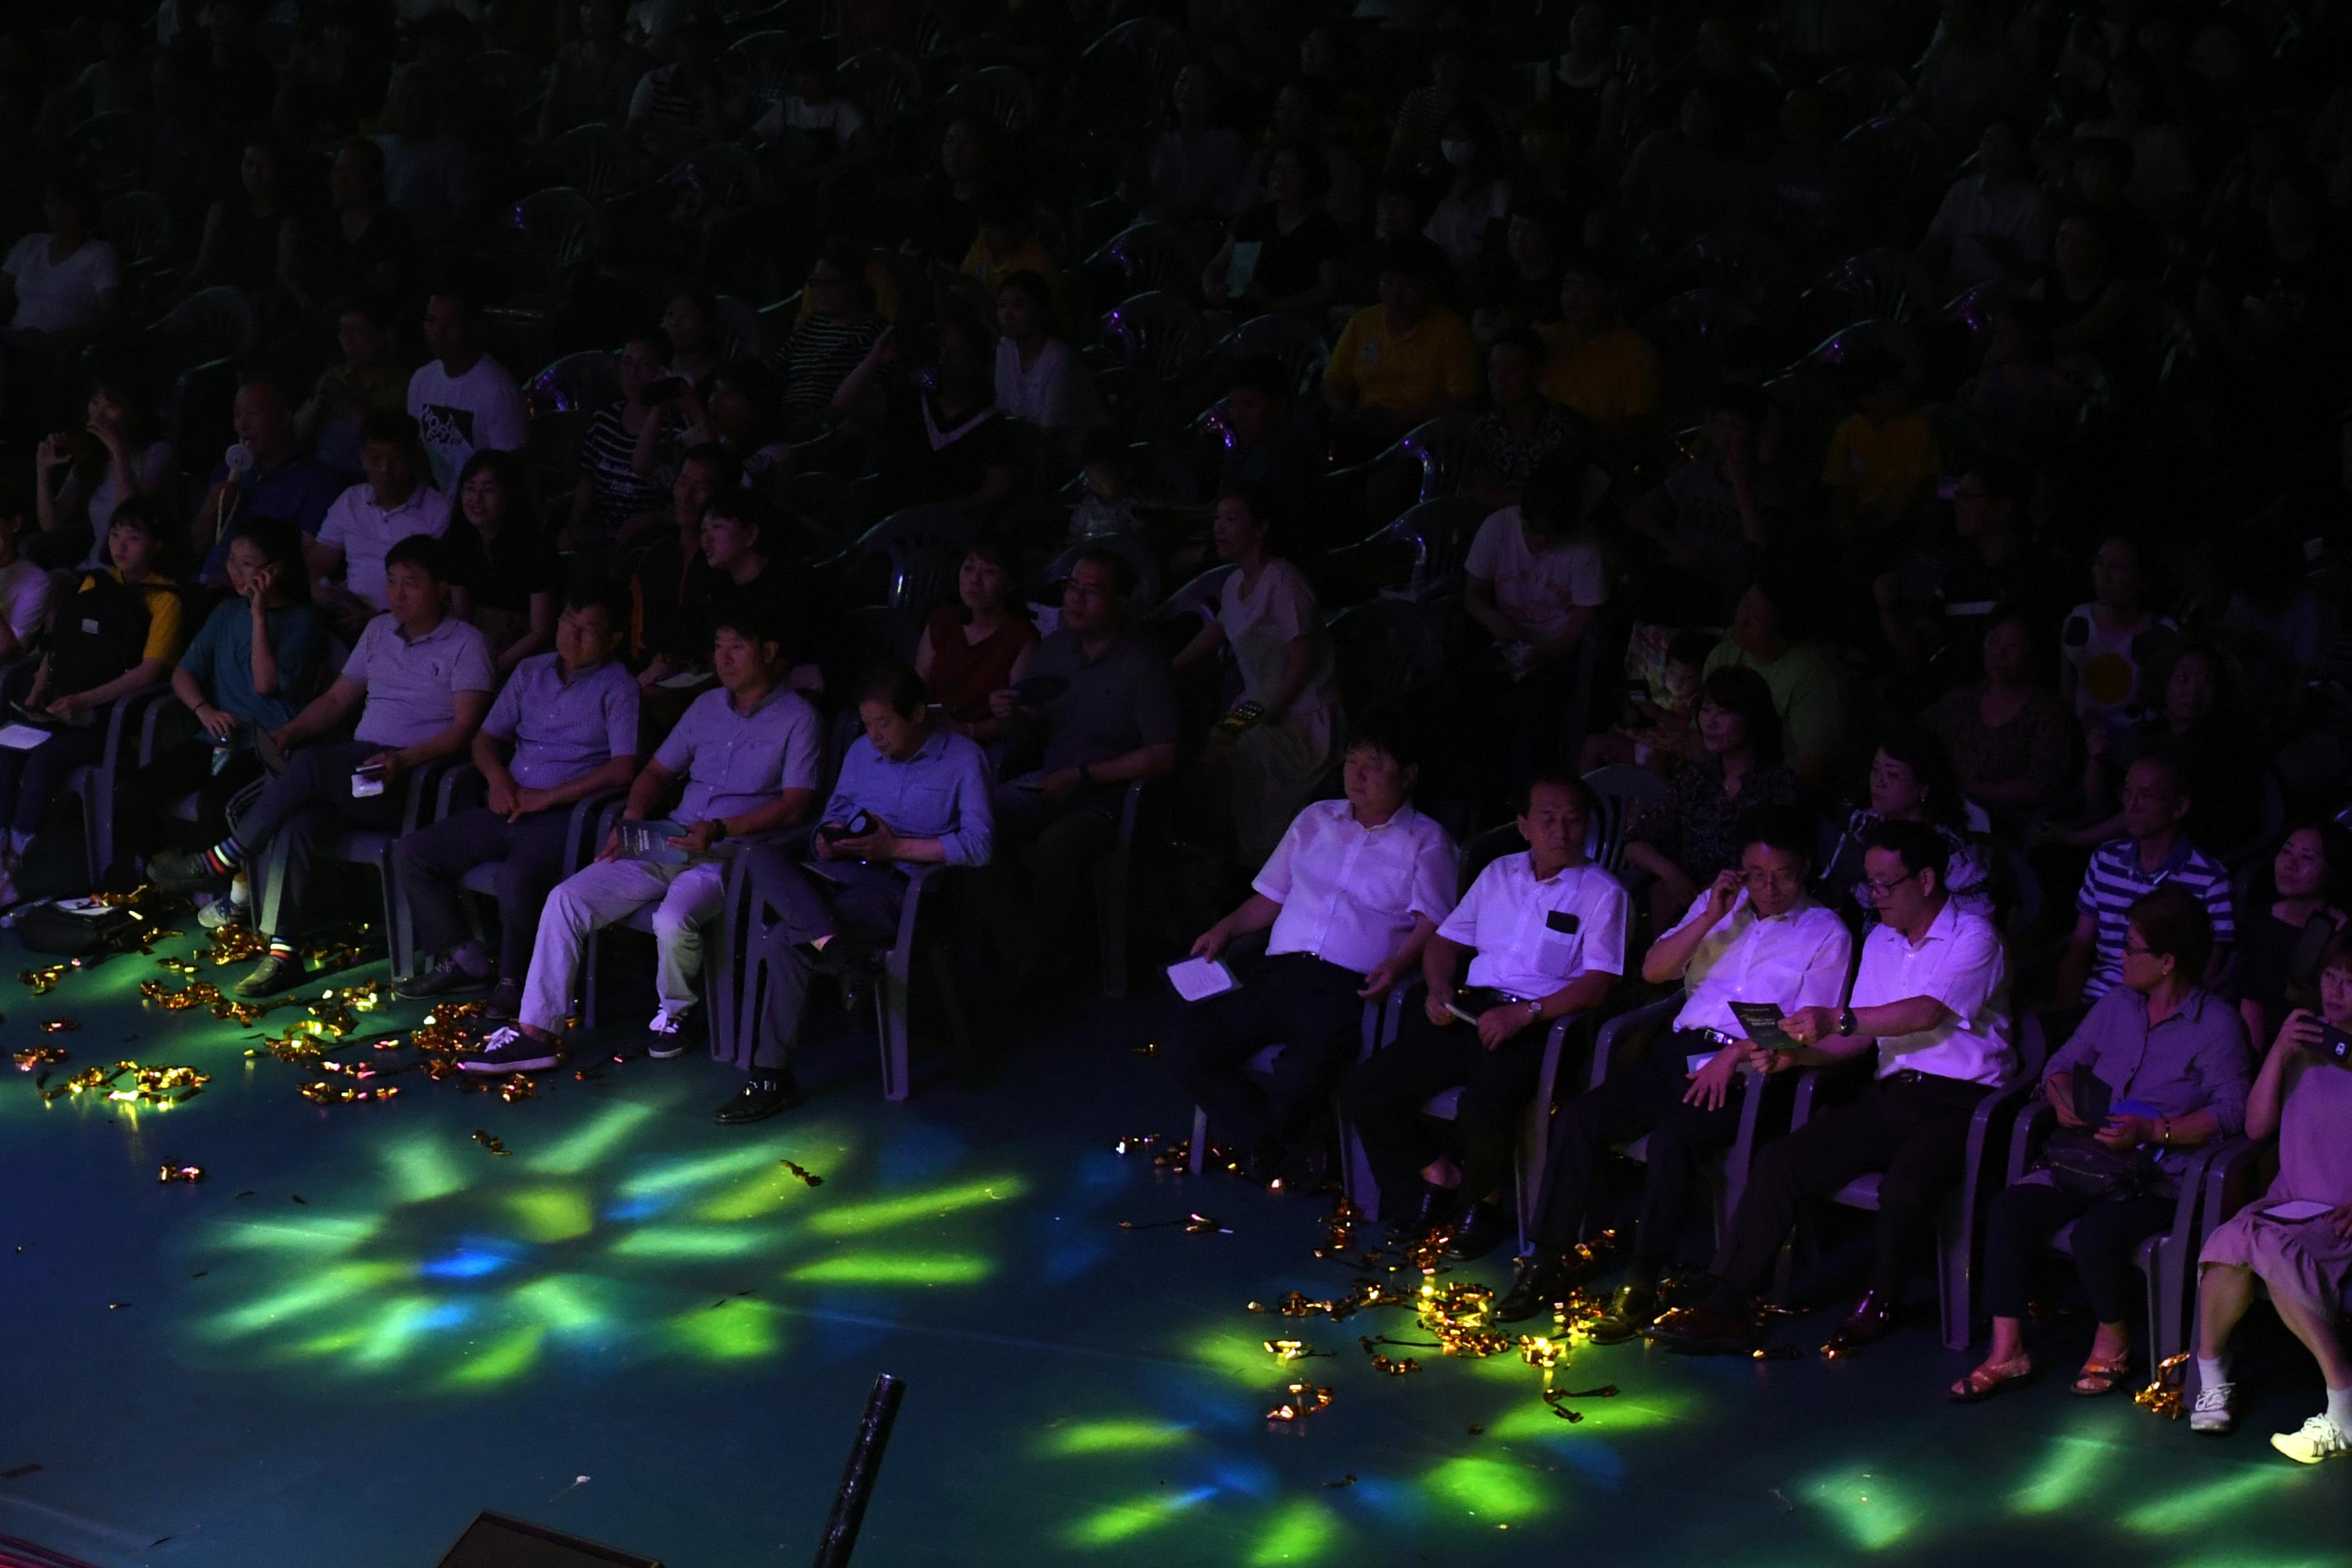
{"x":1535,"y":1009}
{"x":1846,"y":1023}
{"x":720,"y":825}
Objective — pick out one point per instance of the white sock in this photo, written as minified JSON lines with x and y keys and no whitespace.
{"x":2339,"y":1408}
{"x":2210,"y":1373}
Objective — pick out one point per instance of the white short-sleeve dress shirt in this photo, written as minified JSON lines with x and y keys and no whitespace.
{"x":1793,"y":960}
{"x":1351,"y":893}
{"x":1533,"y":937}
{"x":1960,"y":963}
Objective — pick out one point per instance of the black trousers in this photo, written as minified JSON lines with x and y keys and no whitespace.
{"x":2107,"y":1234}
{"x":1914,"y":1129}
{"x":1294,"y":1000}
{"x":529,"y":854}
{"x":1385,"y":1093}
{"x":854,"y":901}
{"x":30,"y":780}
{"x":143,"y":802}
{"x":1042,"y":873}
{"x":296,"y":822}
{"x":1644,"y":1096}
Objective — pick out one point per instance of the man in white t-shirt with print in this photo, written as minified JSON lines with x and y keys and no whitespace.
{"x":463,"y":400}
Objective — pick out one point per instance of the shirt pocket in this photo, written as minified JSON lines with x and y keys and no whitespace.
{"x":1558,"y":952}
{"x":920,"y":811}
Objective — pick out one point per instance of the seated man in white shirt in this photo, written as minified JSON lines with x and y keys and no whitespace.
{"x":367,"y":520}
{"x":1547,"y":928}
{"x":1352,"y":895}
{"x":1754,"y":936}
{"x":1932,"y":994}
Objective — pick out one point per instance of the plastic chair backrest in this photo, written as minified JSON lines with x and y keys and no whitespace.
{"x":1157,"y":334}
{"x":598,"y":160}
{"x":580,"y":382}
{"x":1621,"y":792}
{"x":1383,"y":649}
{"x":998,"y":93}
{"x":1444,"y":447}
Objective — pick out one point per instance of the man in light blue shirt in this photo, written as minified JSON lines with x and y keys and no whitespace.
{"x":911,"y":792}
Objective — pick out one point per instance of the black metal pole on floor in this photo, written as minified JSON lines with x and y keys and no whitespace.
{"x":840,"y":1536}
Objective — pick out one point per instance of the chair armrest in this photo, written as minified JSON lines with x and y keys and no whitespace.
{"x":425,"y":793}
{"x":1383,"y":1020}
{"x":2035,"y":1119}
{"x":1127,"y":808}
{"x":1637,"y":1021}
{"x":158,"y":722}
{"x":592,"y":818}
{"x":464,"y":775}
{"x":2232,"y":1176}
{"x":123,"y":718}
{"x":2196,"y":1172}
{"x":1989,"y":1128}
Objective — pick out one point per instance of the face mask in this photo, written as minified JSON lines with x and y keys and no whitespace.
{"x":1458,"y":154}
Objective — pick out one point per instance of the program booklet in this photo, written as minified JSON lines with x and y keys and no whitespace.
{"x":1760,"y":1022}
{"x":1198,"y":979}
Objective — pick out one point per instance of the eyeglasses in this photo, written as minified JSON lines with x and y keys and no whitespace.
{"x":1879,"y":889}
{"x":2135,"y":948}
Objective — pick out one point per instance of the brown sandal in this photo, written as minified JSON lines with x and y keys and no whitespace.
{"x":1989,"y":1380}
{"x":2102,"y":1377}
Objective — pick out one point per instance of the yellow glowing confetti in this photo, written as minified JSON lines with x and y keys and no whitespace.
{"x":189,"y":1174}
{"x":33,"y":1056}
{"x":2162,"y":1395}
{"x":60,"y":1026}
{"x":1303,"y":1399}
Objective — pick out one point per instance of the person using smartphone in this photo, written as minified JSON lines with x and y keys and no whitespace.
{"x":248,"y":670}
{"x":912,"y":793}
{"x":2298,"y":1237}
{"x":421,"y":680}
{"x":2172,"y":1056}
{"x":1932,"y":994}
{"x":1754,"y":935}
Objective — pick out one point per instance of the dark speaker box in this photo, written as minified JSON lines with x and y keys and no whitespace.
{"x":494,"y":1541}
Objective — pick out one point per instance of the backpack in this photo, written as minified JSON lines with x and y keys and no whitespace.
{"x":98,"y":632}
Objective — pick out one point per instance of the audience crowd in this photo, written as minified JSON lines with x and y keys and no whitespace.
{"x":1757,"y":586}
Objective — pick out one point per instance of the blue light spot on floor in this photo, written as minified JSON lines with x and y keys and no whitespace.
{"x":637,"y":1208}
{"x":465,"y":1263}
{"x":447,"y":1315}
{"x":1249,"y":1477}
{"x":1069,"y":1262}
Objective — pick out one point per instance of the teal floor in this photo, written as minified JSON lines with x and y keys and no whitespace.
{"x":362,"y":1326}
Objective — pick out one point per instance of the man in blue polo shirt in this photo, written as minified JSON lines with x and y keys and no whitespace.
{"x":425,"y":677}
{"x":563,"y":727}
{"x":911,"y":792}
{"x":2153,"y":852}
{"x":279,"y":483}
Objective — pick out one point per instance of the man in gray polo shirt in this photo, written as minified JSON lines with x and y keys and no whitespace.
{"x":1097,"y":710}
{"x":425,"y":679}
{"x":564,"y":727}
{"x":750,"y":753}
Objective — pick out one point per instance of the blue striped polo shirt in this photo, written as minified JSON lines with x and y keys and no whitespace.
{"x":2115,"y":882}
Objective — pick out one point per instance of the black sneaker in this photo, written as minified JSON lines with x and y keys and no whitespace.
{"x":505,"y":1001}
{"x":759,"y":1101}
{"x":446,"y":978}
{"x":182,"y":871}
{"x":512,"y":1050}
{"x":1432,"y":1207}
{"x":277,"y":972}
{"x":669,"y":1035}
{"x":1537,"y":1280}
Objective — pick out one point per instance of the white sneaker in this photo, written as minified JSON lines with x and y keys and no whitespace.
{"x":666,"y":1036}
{"x":2320,"y":1439}
{"x":233,"y":907}
{"x":2211,"y":1412}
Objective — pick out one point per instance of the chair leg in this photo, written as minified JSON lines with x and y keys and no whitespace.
{"x":1356,"y":1173}
{"x":1952,"y":1281}
{"x":588,"y":969}
{"x":943,"y":976}
{"x":398,"y":950}
{"x":1111,"y":921}
{"x":1197,"y":1158}
{"x":893,"y":998}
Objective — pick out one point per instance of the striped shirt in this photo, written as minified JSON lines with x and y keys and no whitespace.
{"x":608,"y":461}
{"x":819,"y":356}
{"x":2116,"y":879}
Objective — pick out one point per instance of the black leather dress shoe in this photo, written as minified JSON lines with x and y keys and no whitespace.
{"x":759,"y":1101}
{"x":1703,"y":1330}
{"x":1538,"y":1281}
{"x":1631,"y":1309}
{"x":1479,"y":1232}
{"x":1873,"y":1319}
{"x":1435,"y":1206}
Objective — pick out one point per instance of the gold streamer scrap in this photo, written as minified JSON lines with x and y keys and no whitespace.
{"x":495,"y":1146}
{"x":1303,"y":1399}
{"x":2162,"y":1395}
{"x":189,"y":1174}
{"x":807,"y":1176}
{"x":33,"y":1056}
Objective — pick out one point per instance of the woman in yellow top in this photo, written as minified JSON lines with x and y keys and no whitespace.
{"x":121,"y":633}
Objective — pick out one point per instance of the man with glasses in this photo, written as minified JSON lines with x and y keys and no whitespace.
{"x":1754,"y":936}
{"x":1932,"y":994}
{"x":2153,"y":852}
{"x":1097,"y":711}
